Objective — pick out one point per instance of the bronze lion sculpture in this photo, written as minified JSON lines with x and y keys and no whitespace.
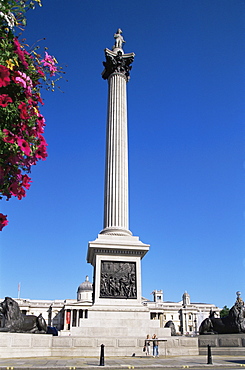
{"x":231,"y":324}
{"x":13,"y":320}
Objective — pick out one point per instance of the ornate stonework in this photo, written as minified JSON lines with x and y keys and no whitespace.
{"x":117,"y":63}
{"x":118,"y":280}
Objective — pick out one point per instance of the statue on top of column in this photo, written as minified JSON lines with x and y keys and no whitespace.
{"x":119,"y":40}
{"x":116,"y":60}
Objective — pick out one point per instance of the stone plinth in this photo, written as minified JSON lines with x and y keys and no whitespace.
{"x":25,"y":345}
{"x":38,"y":345}
{"x":129,"y":322}
{"x":222,"y":344}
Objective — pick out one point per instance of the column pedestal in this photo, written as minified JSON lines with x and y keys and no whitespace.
{"x":117,"y":269}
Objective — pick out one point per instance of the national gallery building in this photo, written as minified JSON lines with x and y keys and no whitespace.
{"x":70,"y":314}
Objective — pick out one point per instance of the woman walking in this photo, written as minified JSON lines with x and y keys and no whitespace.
{"x":147,"y":345}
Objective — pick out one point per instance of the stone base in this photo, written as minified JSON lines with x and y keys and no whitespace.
{"x":117,"y":249}
{"x":114,"y":321}
{"x":222,"y":344}
{"x":13,"y":345}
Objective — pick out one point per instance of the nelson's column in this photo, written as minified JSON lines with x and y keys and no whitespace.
{"x":116,"y":254}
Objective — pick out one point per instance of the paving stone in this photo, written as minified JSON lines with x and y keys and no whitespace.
{"x":113,"y":363}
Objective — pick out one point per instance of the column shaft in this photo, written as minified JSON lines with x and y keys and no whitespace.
{"x":116,"y":170}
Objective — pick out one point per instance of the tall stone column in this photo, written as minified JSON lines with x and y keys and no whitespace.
{"x":116,"y":254}
{"x":117,"y":67}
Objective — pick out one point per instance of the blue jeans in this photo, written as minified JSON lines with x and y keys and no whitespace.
{"x":155,"y":350}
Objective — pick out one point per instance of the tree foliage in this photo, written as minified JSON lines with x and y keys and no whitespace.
{"x":224,"y":312}
{"x":23,"y":71}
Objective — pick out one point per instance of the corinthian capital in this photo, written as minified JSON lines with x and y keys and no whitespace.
{"x":117,"y":63}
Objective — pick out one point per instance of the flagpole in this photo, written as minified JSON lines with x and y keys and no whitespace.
{"x":19,"y":290}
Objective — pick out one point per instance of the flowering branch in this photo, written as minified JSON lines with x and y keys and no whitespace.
{"x":22,"y":74}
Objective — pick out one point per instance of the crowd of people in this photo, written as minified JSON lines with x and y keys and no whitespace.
{"x":147,"y":345}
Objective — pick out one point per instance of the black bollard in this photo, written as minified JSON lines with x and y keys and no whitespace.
{"x":102,"y":355}
{"x":210,"y":362}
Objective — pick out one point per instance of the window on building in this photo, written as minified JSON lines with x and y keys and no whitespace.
{"x":74,"y":318}
{"x":86,"y":314}
{"x":80,"y":314}
{"x":172,"y":317}
{"x":189,"y":317}
{"x":159,"y":297}
{"x":190,"y":328}
{"x":153,"y":315}
{"x":165,"y":318}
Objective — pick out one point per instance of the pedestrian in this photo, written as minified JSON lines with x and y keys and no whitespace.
{"x":155,"y":346}
{"x":147,"y":345}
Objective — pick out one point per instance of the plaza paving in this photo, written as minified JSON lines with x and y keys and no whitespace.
{"x":76,"y":363}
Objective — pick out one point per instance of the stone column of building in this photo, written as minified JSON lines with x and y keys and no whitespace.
{"x":117,"y":67}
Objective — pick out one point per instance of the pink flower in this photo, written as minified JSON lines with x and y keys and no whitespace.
{"x":49,"y":62}
{"x":4,"y":76}
{"x":4,"y":100}
{"x":41,"y":123}
{"x":41,"y":152}
{"x":42,"y":140}
{"x":20,"y":80}
{"x":42,"y":74}
{"x":24,"y":146}
{"x":23,"y":111}
{"x":28,"y":91}
{"x":23,"y":80}
{"x":9,"y":138}
{"x":23,"y":126}
{"x":20,"y":53}
{"x":26,"y":181}
{"x":21,"y":193}
{"x":17,"y":190}
{"x":3,"y":221}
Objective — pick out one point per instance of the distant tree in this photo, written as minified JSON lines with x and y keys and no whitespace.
{"x":224,"y":312}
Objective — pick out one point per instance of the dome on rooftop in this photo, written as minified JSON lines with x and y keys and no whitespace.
{"x":85,"y":286}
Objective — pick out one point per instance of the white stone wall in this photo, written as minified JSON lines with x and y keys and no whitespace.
{"x":14,"y":345}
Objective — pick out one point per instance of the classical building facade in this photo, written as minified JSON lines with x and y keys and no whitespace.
{"x":68,"y":314}
{"x":186,"y":315}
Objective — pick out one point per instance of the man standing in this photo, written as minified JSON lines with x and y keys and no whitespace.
{"x":155,"y":346}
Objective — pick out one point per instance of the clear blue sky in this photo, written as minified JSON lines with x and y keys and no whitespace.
{"x":186,"y":150}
